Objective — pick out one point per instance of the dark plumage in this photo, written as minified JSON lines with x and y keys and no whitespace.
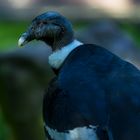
{"x":94,"y":94}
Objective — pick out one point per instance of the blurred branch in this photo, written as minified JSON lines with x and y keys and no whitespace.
{"x":24,"y":74}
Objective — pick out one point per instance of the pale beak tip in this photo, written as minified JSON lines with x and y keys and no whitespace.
{"x":21,"y":42}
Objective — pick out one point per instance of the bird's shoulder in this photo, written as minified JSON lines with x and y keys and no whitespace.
{"x":90,"y":55}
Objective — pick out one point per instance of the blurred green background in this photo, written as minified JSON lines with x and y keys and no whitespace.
{"x":9,"y":33}
{"x":24,"y":73}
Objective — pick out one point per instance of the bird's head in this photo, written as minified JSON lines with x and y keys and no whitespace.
{"x":50,"y":27}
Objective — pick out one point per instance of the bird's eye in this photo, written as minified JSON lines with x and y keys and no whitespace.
{"x":41,"y":23}
{"x":56,"y":24}
{"x":44,"y":22}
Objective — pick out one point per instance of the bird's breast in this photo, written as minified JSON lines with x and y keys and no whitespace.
{"x":79,"y":133}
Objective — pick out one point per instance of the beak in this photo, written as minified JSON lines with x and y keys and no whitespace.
{"x":24,"y":39}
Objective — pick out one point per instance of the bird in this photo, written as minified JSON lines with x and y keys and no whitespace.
{"x":94,"y":95}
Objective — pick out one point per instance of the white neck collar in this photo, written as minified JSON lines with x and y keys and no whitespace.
{"x":58,"y":57}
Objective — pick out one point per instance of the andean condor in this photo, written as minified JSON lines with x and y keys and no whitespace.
{"x":95,"y":94}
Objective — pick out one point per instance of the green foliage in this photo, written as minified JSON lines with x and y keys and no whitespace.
{"x":4,"y":130}
{"x":133,"y":30}
{"x":9,"y":33}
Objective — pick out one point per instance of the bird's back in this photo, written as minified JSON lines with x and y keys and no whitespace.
{"x":95,"y":88}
